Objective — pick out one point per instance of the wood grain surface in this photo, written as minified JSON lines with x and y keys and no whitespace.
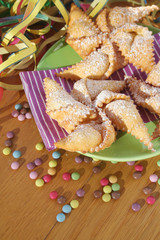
{"x":27,"y":212}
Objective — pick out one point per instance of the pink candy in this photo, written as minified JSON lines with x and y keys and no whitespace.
{"x":33,"y":175}
{"x":150,"y":200}
{"x":153,"y":178}
{"x":53,"y":195}
{"x":15,"y":113}
{"x":47,"y":178}
{"x":21,"y":117}
{"x":66,"y":176}
{"x":104,"y":181}
{"x":15,"y":165}
{"x":139,"y":168}
{"x":28,"y":115}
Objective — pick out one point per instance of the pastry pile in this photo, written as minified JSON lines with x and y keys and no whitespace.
{"x":110,"y":42}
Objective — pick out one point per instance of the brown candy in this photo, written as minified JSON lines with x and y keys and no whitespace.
{"x":115,"y":195}
{"x":137,"y":175}
{"x":96,"y":169}
{"x":147,"y":190}
{"x":61,"y":199}
{"x":8,"y":143}
{"x":97,"y":194}
{"x":87,"y":159}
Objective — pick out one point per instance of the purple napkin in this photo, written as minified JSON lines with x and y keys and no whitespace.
{"x":33,"y":86}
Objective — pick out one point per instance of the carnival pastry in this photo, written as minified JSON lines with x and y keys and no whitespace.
{"x":154,"y":76}
{"x":86,"y":90}
{"x":144,"y":94}
{"x":61,"y":106}
{"x":102,"y":21}
{"x":100,"y":64}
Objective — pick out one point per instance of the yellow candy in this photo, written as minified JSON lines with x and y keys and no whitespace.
{"x":52,"y":171}
{"x":96,"y":160}
{"x":74,"y":203}
{"x":113,"y":179}
{"x":6,"y":151}
{"x":39,"y":146}
{"x":39,"y":182}
{"x":107,"y":189}
{"x":106,"y":197}
{"x":52,"y":163}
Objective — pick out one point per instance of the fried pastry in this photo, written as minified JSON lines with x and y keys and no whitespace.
{"x":154,"y":76}
{"x":61,"y":106}
{"x":156,"y":132}
{"x":125,"y":117}
{"x":99,"y":64}
{"x":102,"y":20}
{"x":118,"y":16}
{"x":144,"y":94}
{"x":90,"y":137}
{"x":136,"y":45}
{"x":86,"y":90}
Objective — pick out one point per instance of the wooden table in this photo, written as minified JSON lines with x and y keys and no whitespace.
{"x":27,"y":212}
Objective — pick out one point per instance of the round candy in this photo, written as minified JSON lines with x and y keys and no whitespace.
{"x":52,"y":163}
{"x":95,"y":160}
{"x":47,"y":178}
{"x":51,"y":171}
{"x":104,"y":181}
{"x":97,"y":193}
{"x":8,"y":143}
{"x":159,"y":181}
{"x":15,"y":113}
{"x":114,"y":162}
{"x":10,"y":134}
{"x":96,"y":169}
{"x":137,"y":175}
{"x":39,"y":182}
{"x":115,"y":187}
{"x":80,"y":192}
{"x":18,"y":106}
{"x":74,"y":203}
{"x":38,"y":161}
{"x":33,"y":175}
{"x":56,"y":155}
{"x":78,"y":159}
{"x":150,"y":200}
{"x":6,"y":151}
{"x":53,"y":195}
{"x":112,"y":179}
{"x":61,"y":199}
{"x":87,"y":159}
{"x":136,"y":207}
{"x":21,"y":117}
{"x":106,"y":197}
{"x":15,"y":165}
{"x":131,"y":163}
{"x":23,"y":111}
{"x":31,"y":165}
{"x":39,"y":146}
{"x":75,"y":176}
{"x":139,"y":168}
{"x":107,"y":189}
{"x":17,"y":154}
{"x":60,"y":217}
{"x":66,"y":208}
{"x":26,"y":105}
{"x":66,"y":176}
{"x":28,"y":115}
{"x":158,"y":163}
{"x":153,"y":178}
{"x":115,"y":195}
{"x":147,"y":190}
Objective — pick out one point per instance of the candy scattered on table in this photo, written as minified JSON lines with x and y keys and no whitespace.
{"x":96,"y":169}
{"x":10,"y":134}
{"x":80,"y":192}
{"x":147,"y":190}
{"x":60,"y":217}
{"x":47,"y":178}
{"x":112,"y":179}
{"x":15,"y":165}
{"x":66,"y":176}
{"x":139,"y":168}
{"x":21,"y":117}
{"x":52,"y":171}
{"x":15,"y":113}
{"x":22,"y":112}
{"x":150,"y":200}
{"x":136,"y":207}
{"x":38,"y":161}
{"x":53,"y":195}
{"x":18,"y":106}
{"x":31,"y":165}
{"x":39,"y":182}
{"x":115,"y":195}
{"x":87,"y":159}
{"x":56,"y":155}
{"x":52,"y":163}
{"x":115,"y":187}
{"x":8,"y":143}
{"x":97,"y":194}
{"x":75,"y":176}
{"x":17,"y":154}
{"x":6,"y":151}
{"x":79,"y":159}
{"x":66,"y":208}
{"x":74,"y":203}
{"x":159,"y":181}
{"x":137,"y":175}
{"x":131,"y":163}
{"x":33,"y":175}
{"x":106,"y":197}
{"x":104,"y":181}
{"x":153,"y":178}
{"x":158,"y":163}
{"x":39,"y":146}
{"x":107,"y":189}
{"x":28,"y":115}
{"x":61,"y":199}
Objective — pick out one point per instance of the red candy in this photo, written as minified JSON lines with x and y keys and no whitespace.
{"x":47,"y":178}
{"x":66,"y":176}
{"x":139,"y":168}
{"x":53,"y":195}
{"x":151,"y":200}
{"x":104,"y":182}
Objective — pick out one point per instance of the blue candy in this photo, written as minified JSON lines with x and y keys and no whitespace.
{"x":17,"y":154}
{"x":66,"y":208}
{"x":56,"y":155}
{"x":60,"y":217}
{"x":18,"y":106}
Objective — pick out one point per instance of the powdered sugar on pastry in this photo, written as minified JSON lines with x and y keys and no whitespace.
{"x":154,"y":76}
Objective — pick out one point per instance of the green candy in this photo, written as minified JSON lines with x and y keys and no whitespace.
{"x":115,"y":187}
{"x":6,"y":151}
{"x":159,"y":181}
{"x":75,"y":176}
{"x":158,"y":163}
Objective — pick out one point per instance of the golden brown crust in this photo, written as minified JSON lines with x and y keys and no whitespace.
{"x":154,"y":76}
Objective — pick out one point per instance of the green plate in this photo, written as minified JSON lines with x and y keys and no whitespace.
{"x":126,"y":147}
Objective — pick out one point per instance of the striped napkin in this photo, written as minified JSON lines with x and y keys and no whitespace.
{"x":33,"y":86}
